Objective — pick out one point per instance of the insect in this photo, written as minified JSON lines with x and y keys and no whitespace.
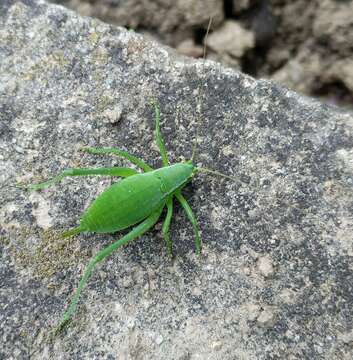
{"x":137,"y":200}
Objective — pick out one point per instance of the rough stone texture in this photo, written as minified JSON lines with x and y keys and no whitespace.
{"x":275,"y":278}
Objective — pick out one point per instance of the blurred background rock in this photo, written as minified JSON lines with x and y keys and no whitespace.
{"x":307,"y":45}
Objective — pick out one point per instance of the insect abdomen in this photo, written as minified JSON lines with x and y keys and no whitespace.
{"x":123,"y":204}
{"x":133,"y":199}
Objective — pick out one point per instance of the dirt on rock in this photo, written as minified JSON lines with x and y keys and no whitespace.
{"x":305,"y":45}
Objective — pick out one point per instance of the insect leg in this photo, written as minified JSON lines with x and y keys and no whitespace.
{"x":114,"y":151}
{"x":166,"y":225}
{"x":133,"y":234}
{"x":158,"y":135}
{"x":192,"y":219}
{"x":110,"y":171}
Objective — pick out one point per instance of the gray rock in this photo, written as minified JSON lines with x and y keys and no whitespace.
{"x":275,"y":278}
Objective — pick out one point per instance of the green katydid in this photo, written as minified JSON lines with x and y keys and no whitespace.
{"x":138,"y":200}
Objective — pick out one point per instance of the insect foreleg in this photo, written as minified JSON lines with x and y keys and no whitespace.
{"x":133,"y":234}
{"x":110,"y":171}
{"x":192,"y":219}
{"x":158,"y":136}
{"x":114,"y":151}
{"x":166,"y":225}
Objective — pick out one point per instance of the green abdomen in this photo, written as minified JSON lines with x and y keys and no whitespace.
{"x":133,"y":199}
{"x":123,"y":204}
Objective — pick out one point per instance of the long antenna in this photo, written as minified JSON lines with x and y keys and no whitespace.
{"x":217,"y":173}
{"x":202,"y":169}
{"x":194,"y":147}
{"x":206,"y":37}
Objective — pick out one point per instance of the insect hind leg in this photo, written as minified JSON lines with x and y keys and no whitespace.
{"x":137,"y":231}
{"x":122,"y":153}
{"x":71,"y":232}
{"x":109,"y":171}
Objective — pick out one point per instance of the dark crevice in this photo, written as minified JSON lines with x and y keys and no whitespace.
{"x":253,"y":60}
{"x":228,"y":8}
{"x":199,"y":35}
{"x":335,"y":92}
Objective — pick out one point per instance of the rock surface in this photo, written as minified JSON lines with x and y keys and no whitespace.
{"x":275,"y":278}
{"x":305,"y":45}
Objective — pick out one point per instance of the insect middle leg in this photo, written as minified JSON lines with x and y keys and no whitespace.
{"x":165,"y":160}
{"x":192,"y":219}
{"x":109,"y":171}
{"x":114,"y":151}
{"x":166,"y":226}
{"x":133,"y":234}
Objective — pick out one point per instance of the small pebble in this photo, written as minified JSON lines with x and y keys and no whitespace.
{"x":266,"y":318}
{"x":264,"y":266}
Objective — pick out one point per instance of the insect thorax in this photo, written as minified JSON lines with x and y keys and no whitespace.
{"x":174,"y":176}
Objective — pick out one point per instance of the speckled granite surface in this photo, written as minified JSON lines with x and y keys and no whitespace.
{"x":275,"y":278}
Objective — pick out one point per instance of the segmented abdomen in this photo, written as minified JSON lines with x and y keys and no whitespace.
{"x":123,"y":204}
{"x":134,"y":198}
